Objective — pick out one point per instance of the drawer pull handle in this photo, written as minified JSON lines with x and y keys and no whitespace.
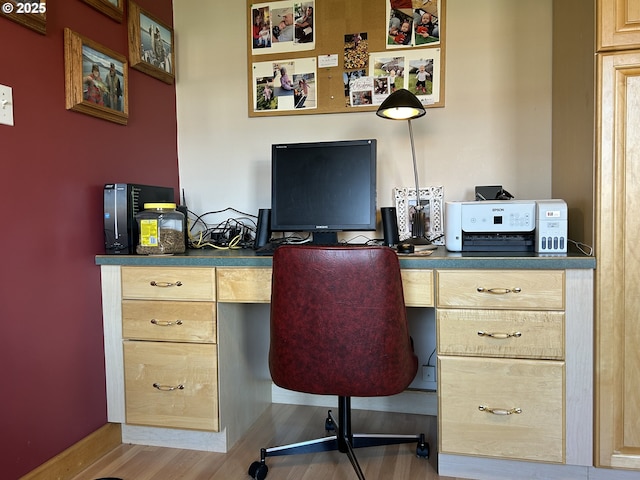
{"x":153,"y":283}
{"x":500,"y":336}
{"x":500,"y":411}
{"x":499,"y":291}
{"x":167,"y":388}
{"x":162,"y":323}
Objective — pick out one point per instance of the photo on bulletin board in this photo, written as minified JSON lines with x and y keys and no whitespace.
{"x":32,"y":15}
{"x":416,"y":70}
{"x":356,"y":50}
{"x":413,"y":23}
{"x":351,"y":80}
{"x":390,"y":66}
{"x":285,"y":85}
{"x":96,"y":79}
{"x":432,"y":199}
{"x":111,"y":8}
{"x":283,"y":26}
{"x":151,"y":47}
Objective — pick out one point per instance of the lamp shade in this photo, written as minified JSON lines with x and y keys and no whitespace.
{"x":401,"y":105}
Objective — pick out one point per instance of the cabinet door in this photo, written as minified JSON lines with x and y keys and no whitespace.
{"x":618,"y":24}
{"x":618,"y":274}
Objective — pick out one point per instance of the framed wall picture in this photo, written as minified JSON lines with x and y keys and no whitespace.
{"x":432,"y":199}
{"x":96,"y":79}
{"x":30,"y":14}
{"x":150,"y":45}
{"x":111,"y":8}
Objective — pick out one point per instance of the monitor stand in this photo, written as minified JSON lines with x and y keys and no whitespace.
{"x":324,"y":238}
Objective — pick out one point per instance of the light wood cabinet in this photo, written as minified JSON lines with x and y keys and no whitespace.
{"x":500,"y":341}
{"x":601,"y":187}
{"x":186,"y":350}
{"x":618,"y":24}
{"x":169,"y":347}
{"x":618,"y":274}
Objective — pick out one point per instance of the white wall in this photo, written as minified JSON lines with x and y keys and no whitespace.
{"x":495,"y":127}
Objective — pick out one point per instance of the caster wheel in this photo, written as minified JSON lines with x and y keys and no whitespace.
{"x":422,"y":450}
{"x":258,"y":471}
{"x":329,"y":426}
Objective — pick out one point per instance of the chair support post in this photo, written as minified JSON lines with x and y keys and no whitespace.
{"x":344,"y":424}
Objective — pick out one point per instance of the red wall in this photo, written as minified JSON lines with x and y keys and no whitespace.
{"x":53,"y":165}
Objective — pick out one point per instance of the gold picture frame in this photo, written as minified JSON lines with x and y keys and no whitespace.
{"x":32,"y":15}
{"x":151,"y":48}
{"x":111,"y":8}
{"x":87,"y":91}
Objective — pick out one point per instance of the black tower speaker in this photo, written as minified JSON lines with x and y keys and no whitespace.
{"x":263,"y":229}
{"x":389,"y":226}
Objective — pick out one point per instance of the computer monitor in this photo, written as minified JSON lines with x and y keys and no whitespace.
{"x":323,"y":188}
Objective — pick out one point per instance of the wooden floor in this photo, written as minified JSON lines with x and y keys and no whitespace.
{"x":282,"y":424}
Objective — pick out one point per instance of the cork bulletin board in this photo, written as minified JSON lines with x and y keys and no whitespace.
{"x":335,"y":56}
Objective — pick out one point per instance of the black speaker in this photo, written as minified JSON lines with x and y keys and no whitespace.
{"x":263,"y":229}
{"x":389,"y":226}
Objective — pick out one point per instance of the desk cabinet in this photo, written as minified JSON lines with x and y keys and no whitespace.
{"x":169,"y":347}
{"x":186,"y":349}
{"x":500,"y":340}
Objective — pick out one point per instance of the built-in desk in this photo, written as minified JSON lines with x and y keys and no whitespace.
{"x":186,"y":343}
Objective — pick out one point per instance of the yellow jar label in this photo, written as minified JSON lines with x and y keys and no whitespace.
{"x":149,"y":233}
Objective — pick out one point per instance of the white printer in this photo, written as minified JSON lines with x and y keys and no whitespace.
{"x":506,"y":226}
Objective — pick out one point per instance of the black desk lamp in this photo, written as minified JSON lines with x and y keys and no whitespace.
{"x":404,"y":105}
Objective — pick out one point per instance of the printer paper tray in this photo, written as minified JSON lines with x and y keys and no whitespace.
{"x":478,"y":242}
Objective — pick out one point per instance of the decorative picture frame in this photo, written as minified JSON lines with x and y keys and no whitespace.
{"x":433,"y":200}
{"x":32,"y":15}
{"x":111,"y":8}
{"x":87,"y":91}
{"x":151,"y":47}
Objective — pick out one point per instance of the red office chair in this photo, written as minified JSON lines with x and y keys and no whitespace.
{"x":339,"y":327}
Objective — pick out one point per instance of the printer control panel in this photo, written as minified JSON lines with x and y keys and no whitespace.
{"x":499,"y":217}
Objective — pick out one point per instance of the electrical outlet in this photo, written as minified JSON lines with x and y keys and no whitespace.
{"x":6,"y":105}
{"x":428,"y":373}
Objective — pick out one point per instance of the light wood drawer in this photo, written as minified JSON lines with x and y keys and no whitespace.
{"x":169,"y":320}
{"x":533,"y":386}
{"x":509,"y":289}
{"x":501,"y":333}
{"x":168,"y":283}
{"x":418,"y":287}
{"x":253,"y":285}
{"x":244,"y":285}
{"x":171,"y":385}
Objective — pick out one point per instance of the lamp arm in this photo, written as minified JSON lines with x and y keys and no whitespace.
{"x":415,"y":167}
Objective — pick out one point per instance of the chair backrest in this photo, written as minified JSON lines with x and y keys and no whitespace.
{"x":338,"y":322}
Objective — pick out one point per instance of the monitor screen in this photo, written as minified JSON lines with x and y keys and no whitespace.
{"x":323,"y":187}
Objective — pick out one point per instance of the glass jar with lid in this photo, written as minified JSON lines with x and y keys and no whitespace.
{"x":161,"y":229}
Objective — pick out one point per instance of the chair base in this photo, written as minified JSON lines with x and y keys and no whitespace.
{"x":343,"y":441}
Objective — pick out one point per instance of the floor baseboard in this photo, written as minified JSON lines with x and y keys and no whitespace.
{"x":79,"y":456}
